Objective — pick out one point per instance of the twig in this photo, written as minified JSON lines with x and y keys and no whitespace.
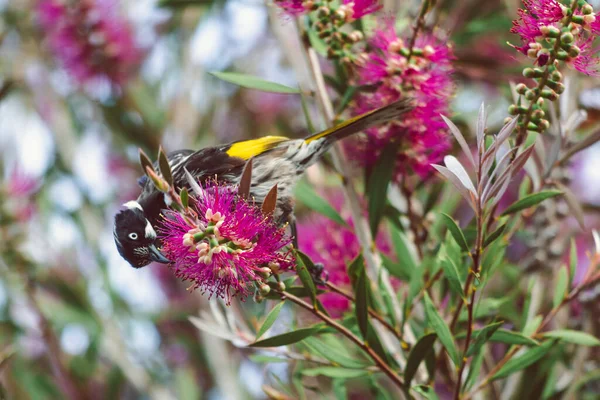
{"x":383,"y":366}
{"x":372,"y":312}
{"x":418,"y":26}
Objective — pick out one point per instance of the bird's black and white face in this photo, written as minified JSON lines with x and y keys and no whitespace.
{"x":135,"y":237}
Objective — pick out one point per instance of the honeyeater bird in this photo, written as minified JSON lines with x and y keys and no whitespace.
{"x":275,"y":160}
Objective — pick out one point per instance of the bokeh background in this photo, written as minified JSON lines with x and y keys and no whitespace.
{"x":81,"y":89}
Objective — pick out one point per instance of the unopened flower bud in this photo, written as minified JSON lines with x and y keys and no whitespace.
{"x":544,"y":124}
{"x":532,"y":53}
{"x":587,"y":9}
{"x":264,"y":289}
{"x":540,"y":101}
{"x":537,"y":115}
{"x":281,"y":286}
{"x":589,"y":19}
{"x":513,"y":109}
{"x":258,"y":298}
{"x":507,"y":120}
{"x":274,"y":267}
{"x":323,"y":12}
{"x":265,"y":272}
{"x":521,"y":88}
{"x":549,"y":94}
{"x":574,"y":51}
{"x":556,"y":76}
{"x":530,"y":94}
{"x":340,"y":15}
{"x":567,"y":37}
{"x":356,"y":36}
{"x":529,"y":72}
{"x":550,"y":31}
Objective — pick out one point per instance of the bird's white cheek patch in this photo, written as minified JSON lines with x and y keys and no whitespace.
{"x":149,"y":232}
{"x":133,"y":204}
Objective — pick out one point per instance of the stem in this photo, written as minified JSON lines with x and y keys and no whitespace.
{"x":372,"y":312}
{"x":418,"y":26}
{"x":412,"y":218}
{"x":346,"y":332}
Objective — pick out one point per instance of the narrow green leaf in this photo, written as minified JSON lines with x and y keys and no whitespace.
{"x":571,"y":336}
{"x":560,"y":291}
{"x":397,"y":269}
{"x":309,"y":123}
{"x":362,"y":303}
{"x":335,"y":372}
{"x":530,"y":201}
{"x":456,"y":232}
{"x":262,"y":359}
{"x":418,"y":353}
{"x":378,"y":183}
{"x":307,"y":196}
{"x":525,"y":360}
{"x":354,"y":269}
{"x":339,"y":388}
{"x":375,"y":343}
{"x":481,"y":337}
{"x":494,"y":235}
{"x":510,"y":337}
{"x":336,"y":354}
{"x":285,"y":338}
{"x":165,"y":168}
{"x":348,"y":95}
{"x":426,"y":391}
{"x":317,"y":43}
{"x":185,"y":197}
{"x":145,"y":161}
{"x":305,"y":276}
{"x":271,"y":318}
{"x":474,"y":369}
{"x":401,"y":247}
{"x":439,"y":326}
{"x":252,"y":82}
{"x":532,"y":325}
{"x":573,"y":261}
{"x":451,"y":273}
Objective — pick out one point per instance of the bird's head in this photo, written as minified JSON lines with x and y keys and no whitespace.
{"x":135,"y":237}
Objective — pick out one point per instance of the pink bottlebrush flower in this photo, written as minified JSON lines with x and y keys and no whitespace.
{"x":293,"y":8}
{"x":334,"y":245}
{"x":587,"y":62}
{"x":89,"y":39}
{"x":228,"y":248}
{"x":537,"y":13}
{"x":427,"y":78}
{"x":360,"y":8}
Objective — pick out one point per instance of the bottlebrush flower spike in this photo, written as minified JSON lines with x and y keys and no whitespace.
{"x":426,"y":76}
{"x":228,"y":248}
{"x":293,"y":8}
{"x":91,"y":42}
{"x":360,"y":8}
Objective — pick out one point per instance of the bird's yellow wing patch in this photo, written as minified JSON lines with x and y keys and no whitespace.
{"x":251,"y":148}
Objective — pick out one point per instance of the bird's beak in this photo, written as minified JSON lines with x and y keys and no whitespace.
{"x":156,"y":255}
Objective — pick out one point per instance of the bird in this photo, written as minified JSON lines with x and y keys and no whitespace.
{"x":275,"y":160}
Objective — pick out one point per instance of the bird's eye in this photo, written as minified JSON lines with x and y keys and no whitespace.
{"x":133,"y":236}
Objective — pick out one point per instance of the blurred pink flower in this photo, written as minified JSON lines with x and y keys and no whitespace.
{"x":89,"y":39}
{"x":421,"y":134}
{"x":587,"y":62}
{"x":226,"y":251}
{"x":361,"y":8}
{"x":18,"y":191}
{"x":293,"y":8}
{"x":335,"y":246}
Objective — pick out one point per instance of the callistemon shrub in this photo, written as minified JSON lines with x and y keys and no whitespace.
{"x":229,"y":249}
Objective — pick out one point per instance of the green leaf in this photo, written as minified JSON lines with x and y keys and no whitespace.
{"x":307,"y":196}
{"x":525,"y":360}
{"x":145,"y":161}
{"x":185,"y":197}
{"x":375,"y":343}
{"x":335,"y":372}
{"x":285,"y":338}
{"x":339,"y":389}
{"x":262,"y":359}
{"x":474,"y":369}
{"x":271,"y":318}
{"x":402,"y":249}
{"x":530,"y":201}
{"x":397,"y":269}
{"x":573,"y":261}
{"x":532,"y":325}
{"x":494,"y":235}
{"x":426,"y":391}
{"x":560,"y":291}
{"x":336,"y":354}
{"x":305,"y":276}
{"x":571,"y":336}
{"x":362,"y":302}
{"x":418,"y":353}
{"x":378,"y":183}
{"x":482,"y":336}
{"x":451,"y":273}
{"x":317,"y":43}
{"x":510,"y":337}
{"x":252,"y":82}
{"x":439,"y":326}
{"x":185,"y":382}
{"x":456,"y":232}
{"x":163,"y":165}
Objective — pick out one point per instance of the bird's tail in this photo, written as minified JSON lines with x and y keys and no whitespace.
{"x":364,"y":121}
